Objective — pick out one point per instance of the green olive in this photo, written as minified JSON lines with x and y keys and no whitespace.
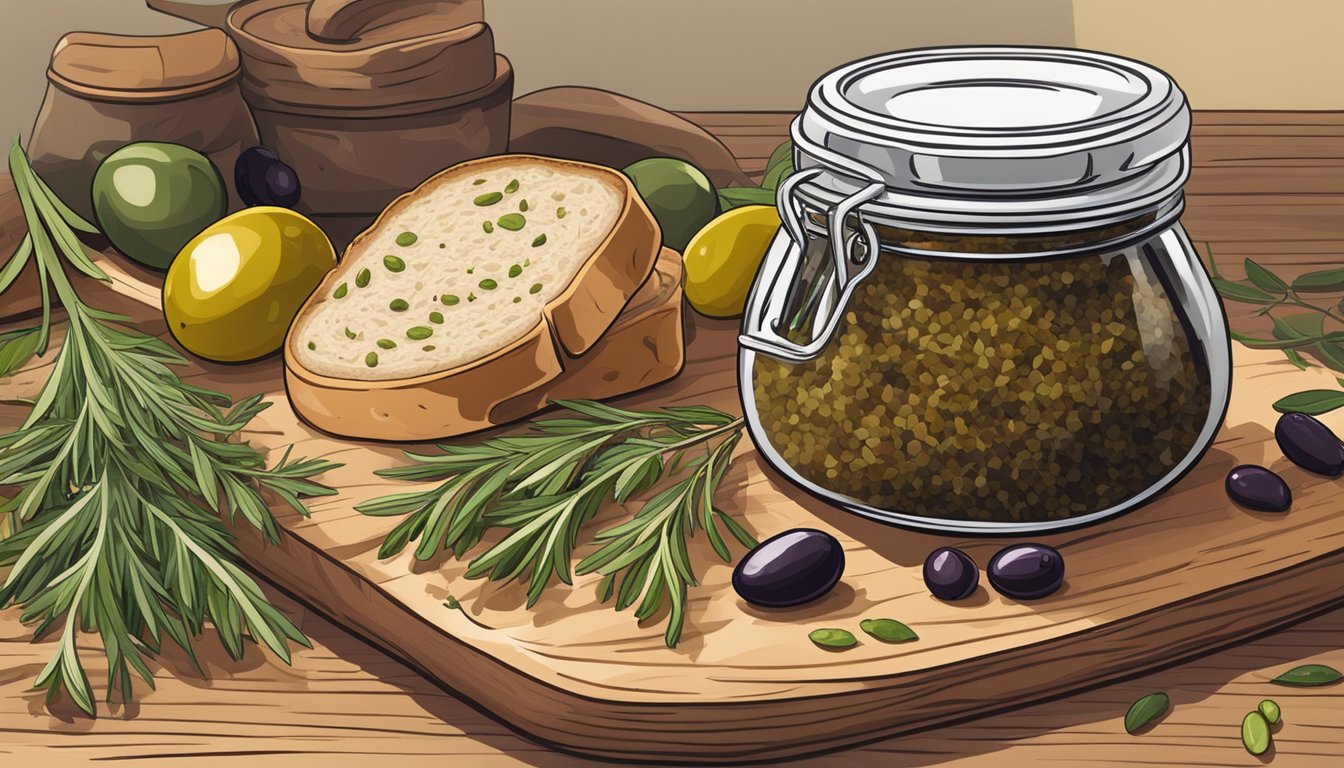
{"x":151,"y":198}
{"x":233,"y":291}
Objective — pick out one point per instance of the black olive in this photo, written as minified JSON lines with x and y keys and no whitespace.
{"x":262,"y":179}
{"x":792,"y":568}
{"x":1026,"y":571}
{"x":950,"y":574}
{"x":1309,"y":444}
{"x":1258,"y":488}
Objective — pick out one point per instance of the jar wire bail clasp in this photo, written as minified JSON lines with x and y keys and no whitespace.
{"x":853,"y":254}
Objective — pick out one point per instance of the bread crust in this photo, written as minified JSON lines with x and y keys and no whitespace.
{"x":466,"y":398}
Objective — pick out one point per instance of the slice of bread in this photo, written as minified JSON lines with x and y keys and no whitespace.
{"x":470,"y":290}
{"x":471,"y":261}
{"x":643,"y":347}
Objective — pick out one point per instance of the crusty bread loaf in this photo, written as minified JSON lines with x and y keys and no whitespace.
{"x":468,"y":291}
{"x":643,"y":347}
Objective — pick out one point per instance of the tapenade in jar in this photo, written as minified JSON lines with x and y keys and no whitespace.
{"x":982,"y":314}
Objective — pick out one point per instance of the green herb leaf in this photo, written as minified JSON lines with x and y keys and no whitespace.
{"x":1145,"y":711}
{"x":1255,"y":733}
{"x":16,"y":348}
{"x":542,"y":487}
{"x":1263,"y":278}
{"x":1331,"y":353}
{"x":1304,"y":326}
{"x":1323,"y":281}
{"x":1312,"y":402}
{"x":1308,"y":676}
{"x":736,"y":197}
{"x":1240,"y":292}
{"x":888,"y":630}
{"x":1296,"y":359}
{"x":833,"y":639}
{"x":135,"y":552}
{"x":1270,"y":709}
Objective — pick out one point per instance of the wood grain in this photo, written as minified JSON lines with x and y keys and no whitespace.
{"x":1087,"y":725}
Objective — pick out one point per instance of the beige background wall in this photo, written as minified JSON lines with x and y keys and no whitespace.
{"x":762,"y":54}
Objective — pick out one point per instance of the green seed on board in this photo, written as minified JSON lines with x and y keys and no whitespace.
{"x":512,"y":221}
{"x":419,"y":332}
{"x":1308,"y":675}
{"x":559,"y":213}
{"x":511,"y":187}
{"x":489,"y":198}
{"x":436,"y":317}
{"x":1255,"y":733}
{"x":393,"y":263}
{"x":1270,"y":710}
{"x":515,"y":270}
{"x":406,"y":238}
{"x":371,"y":359}
{"x":398,"y":305}
{"x":449,"y":299}
{"x":539,"y":240}
{"x":1145,"y":711}
{"x":428,"y":348}
{"x":312,"y":345}
{"x":536,"y":288}
{"x":387,"y":344}
{"x":478,"y":182}
{"x":340,"y":291}
{"x":888,"y":630}
{"x":488,"y":226}
{"x":362,"y":279}
{"x":833,"y":639}
{"x":523,"y":205}
{"x":349,"y":334}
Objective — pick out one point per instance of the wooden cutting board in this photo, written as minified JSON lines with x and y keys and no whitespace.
{"x":1179,"y":577}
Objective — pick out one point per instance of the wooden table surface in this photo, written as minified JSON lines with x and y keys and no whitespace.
{"x":1266,"y":185}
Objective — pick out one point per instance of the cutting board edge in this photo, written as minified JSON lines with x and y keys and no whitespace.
{"x":575,"y":716}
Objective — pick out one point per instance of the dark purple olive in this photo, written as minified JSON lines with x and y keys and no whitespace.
{"x":262,"y":179}
{"x":1258,"y":488}
{"x":1309,"y":444}
{"x":950,"y":574}
{"x":1026,"y":571}
{"x":792,"y":568}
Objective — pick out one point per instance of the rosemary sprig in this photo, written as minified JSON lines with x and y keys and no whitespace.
{"x":1296,"y":333}
{"x":543,"y":486}
{"x":123,"y":470}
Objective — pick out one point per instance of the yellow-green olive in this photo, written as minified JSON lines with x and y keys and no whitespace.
{"x":234,"y":289}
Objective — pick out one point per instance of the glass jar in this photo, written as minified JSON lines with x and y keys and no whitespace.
{"x":982,"y":314}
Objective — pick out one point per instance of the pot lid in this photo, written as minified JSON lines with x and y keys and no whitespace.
{"x":125,"y":67}
{"x":993,"y":120}
{"x":362,"y":54}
